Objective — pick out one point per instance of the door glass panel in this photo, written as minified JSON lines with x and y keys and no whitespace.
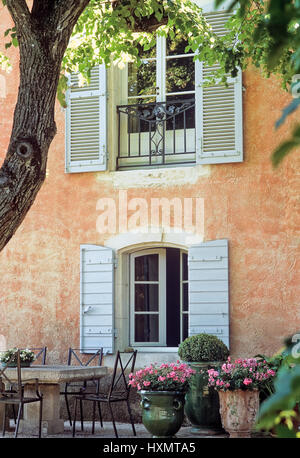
{"x":146,"y":268}
{"x":180,"y":74}
{"x":146,"y":298}
{"x":185,"y":297}
{"x":177,"y":45}
{"x":146,"y":328}
{"x":185,"y":324}
{"x":141,"y":80}
{"x":184,"y":266}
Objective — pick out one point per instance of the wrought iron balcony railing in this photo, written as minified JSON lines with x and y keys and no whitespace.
{"x":156,"y":134}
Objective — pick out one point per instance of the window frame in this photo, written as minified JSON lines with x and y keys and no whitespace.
{"x":161,"y":345}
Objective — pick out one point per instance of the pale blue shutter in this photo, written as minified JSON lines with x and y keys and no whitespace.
{"x":86,"y":123}
{"x":219,"y":112}
{"x":209,"y":289}
{"x":96,"y":297}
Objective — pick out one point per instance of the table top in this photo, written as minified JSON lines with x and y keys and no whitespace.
{"x":58,"y":373}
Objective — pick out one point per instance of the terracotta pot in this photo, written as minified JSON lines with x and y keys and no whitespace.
{"x":238,"y":411}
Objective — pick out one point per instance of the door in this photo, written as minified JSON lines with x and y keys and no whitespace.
{"x":148,"y":298}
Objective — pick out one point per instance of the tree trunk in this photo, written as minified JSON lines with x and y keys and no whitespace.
{"x":43,"y":34}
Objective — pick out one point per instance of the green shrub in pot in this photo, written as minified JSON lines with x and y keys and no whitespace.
{"x":202,"y":352}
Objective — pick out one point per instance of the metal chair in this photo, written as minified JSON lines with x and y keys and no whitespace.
{"x":40,"y":358}
{"x":14,"y":395}
{"x":78,"y":356}
{"x":40,"y":355}
{"x":118,"y":391}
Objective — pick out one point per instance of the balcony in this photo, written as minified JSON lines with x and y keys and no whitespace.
{"x":158,"y":134}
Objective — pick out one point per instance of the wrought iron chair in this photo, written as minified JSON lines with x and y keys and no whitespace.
{"x":78,"y":356}
{"x":118,"y":391}
{"x":14,"y":395}
{"x":40,"y":358}
{"x":40,"y":355}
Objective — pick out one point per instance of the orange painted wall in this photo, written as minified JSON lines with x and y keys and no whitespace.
{"x":249,"y":203}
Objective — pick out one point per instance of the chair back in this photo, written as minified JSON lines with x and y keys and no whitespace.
{"x":40,"y":355}
{"x":80,"y":357}
{"x":6,"y":380}
{"x":77,"y":356}
{"x":119,"y":384}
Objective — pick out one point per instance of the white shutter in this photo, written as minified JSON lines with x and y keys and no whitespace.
{"x":96,"y":297}
{"x":86,"y":123}
{"x":209,"y":289}
{"x":219,"y":124}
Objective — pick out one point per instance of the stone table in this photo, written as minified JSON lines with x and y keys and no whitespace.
{"x":50,"y":378}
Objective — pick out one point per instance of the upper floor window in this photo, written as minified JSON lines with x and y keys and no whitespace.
{"x":170,"y":117}
{"x":159,"y":119}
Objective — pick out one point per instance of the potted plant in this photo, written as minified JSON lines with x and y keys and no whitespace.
{"x":162,"y":389}
{"x":202,"y":352}
{"x":9,"y":357}
{"x":238,"y":385}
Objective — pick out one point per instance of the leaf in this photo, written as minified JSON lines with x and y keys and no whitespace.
{"x":286,"y":147}
{"x":15,"y":42}
{"x":61,"y":90}
{"x":284,"y":432}
{"x":289,"y":109}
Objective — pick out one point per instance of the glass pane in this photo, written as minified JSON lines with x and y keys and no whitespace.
{"x":177,"y":45}
{"x":146,"y":298}
{"x":180,"y":74}
{"x":185,"y":119}
{"x":142,"y":80}
{"x":146,"y":268}
{"x":185,"y":326}
{"x":184,"y":266}
{"x":185,"y":297}
{"x":146,"y":328}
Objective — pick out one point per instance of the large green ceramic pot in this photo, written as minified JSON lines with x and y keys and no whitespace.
{"x":162,"y":412}
{"x":202,"y":402}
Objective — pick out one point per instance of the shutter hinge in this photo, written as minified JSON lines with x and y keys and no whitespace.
{"x":115,"y":263}
{"x":115,"y":332}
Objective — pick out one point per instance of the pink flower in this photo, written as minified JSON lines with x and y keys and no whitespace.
{"x":247,"y":381}
{"x":161,"y":378}
{"x":145,"y":383}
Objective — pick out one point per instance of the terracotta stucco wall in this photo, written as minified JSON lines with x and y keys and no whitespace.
{"x":252,"y":205}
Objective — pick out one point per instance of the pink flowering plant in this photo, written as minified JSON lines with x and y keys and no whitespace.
{"x":242,"y":374}
{"x":166,"y":377}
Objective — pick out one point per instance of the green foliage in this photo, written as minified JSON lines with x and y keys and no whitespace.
{"x":203,"y":347}
{"x":286,"y":147}
{"x":61,"y":90}
{"x":4,"y":63}
{"x":270,"y":39}
{"x":280,"y":411}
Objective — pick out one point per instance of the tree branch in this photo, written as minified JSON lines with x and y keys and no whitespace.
{"x":20,"y":13}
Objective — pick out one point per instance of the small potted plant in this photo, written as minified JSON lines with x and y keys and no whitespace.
{"x":238,"y":385}
{"x":202,"y":352}
{"x":9,"y":357}
{"x":162,"y":389}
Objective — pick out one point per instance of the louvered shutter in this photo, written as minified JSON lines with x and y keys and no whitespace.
{"x":96,"y":297}
{"x":86,"y":123}
{"x":219,"y":125}
{"x":209,"y":289}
